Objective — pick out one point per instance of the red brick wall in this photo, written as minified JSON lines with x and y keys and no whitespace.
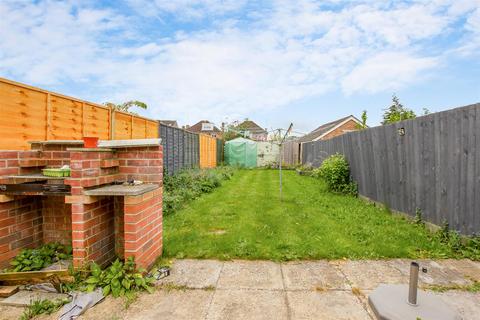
{"x":143,"y":227}
{"x":20,"y":226}
{"x":93,"y":232}
{"x":57,"y":220}
{"x":346,"y":127}
{"x":145,"y":164}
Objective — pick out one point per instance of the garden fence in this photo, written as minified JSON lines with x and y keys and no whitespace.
{"x":180,"y":149}
{"x":32,"y":114}
{"x":430,"y":164}
{"x":291,"y":153}
{"x":208,"y":151}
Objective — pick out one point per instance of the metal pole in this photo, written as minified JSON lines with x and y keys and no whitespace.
{"x":413,"y":285}
{"x":280,"y":170}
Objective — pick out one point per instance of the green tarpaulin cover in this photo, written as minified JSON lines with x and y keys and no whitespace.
{"x":241,"y":152}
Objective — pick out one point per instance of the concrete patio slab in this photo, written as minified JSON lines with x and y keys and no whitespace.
{"x":247,"y":305}
{"x":240,"y":274}
{"x":194,"y":273}
{"x":338,"y":305}
{"x":312,"y":275}
{"x":467,"y":268}
{"x":466,"y":303}
{"x":438,"y":273}
{"x":173,"y":304}
{"x":368,"y":274}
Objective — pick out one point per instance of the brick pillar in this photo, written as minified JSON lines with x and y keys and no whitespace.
{"x":93,"y":228}
{"x":143,"y":227}
{"x":145,"y":164}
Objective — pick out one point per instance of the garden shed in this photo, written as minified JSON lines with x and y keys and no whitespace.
{"x":241,"y":152}
{"x":267,"y":153}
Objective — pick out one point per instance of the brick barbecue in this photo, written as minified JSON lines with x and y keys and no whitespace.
{"x":90,"y":210}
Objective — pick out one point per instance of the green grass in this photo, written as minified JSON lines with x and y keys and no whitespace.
{"x":244,"y":218}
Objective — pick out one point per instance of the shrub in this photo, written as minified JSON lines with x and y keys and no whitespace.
{"x":336,"y":173}
{"x":39,"y":258}
{"x":188,"y":185}
{"x":119,"y":279}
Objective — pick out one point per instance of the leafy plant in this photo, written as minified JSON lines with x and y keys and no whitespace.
{"x":39,"y":307}
{"x":336,"y":173}
{"x":39,"y":258}
{"x":125,"y":107}
{"x":462,"y":247}
{"x":397,"y":112}
{"x":189,"y":184}
{"x":120,"y":279}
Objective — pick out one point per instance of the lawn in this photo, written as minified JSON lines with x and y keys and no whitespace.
{"x":244,"y":218}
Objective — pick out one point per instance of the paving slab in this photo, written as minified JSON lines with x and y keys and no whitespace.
{"x":194,"y":273}
{"x":247,"y":305}
{"x":437,"y":273}
{"x":24,"y":298}
{"x":467,"y":304}
{"x":469,"y":269}
{"x":312,"y":275}
{"x":338,"y":305}
{"x":173,"y":304}
{"x":369,"y":274}
{"x":240,"y":274}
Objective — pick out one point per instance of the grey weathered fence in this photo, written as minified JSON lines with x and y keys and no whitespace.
{"x":291,"y":153}
{"x":434,"y":166}
{"x":220,"y":151}
{"x":180,"y":149}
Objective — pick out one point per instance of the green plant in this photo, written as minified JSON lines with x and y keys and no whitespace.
{"x":39,"y":307}
{"x":36,"y":259}
{"x":418,"y":217}
{"x":119,"y":279}
{"x":188,"y":185}
{"x":336,"y":173}
{"x":397,"y":112}
{"x":461,"y":247}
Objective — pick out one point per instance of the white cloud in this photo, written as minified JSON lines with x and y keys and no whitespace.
{"x":287,"y":51}
{"x":386,"y":71}
{"x":186,"y":9}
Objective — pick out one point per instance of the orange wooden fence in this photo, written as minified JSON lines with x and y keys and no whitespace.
{"x":208,"y":151}
{"x":31,"y":114}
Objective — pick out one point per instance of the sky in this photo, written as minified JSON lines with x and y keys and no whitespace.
{"x":274,"y":62}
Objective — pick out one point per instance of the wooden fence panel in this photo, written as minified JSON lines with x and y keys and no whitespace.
{"x":32,"y":114}
{"x":434,"y":167}
{"x":208,"y":151}
{"x":291,"y":153}
{"x":180,"y":149}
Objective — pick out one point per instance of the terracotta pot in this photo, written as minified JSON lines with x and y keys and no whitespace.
{"x":90,"y":142}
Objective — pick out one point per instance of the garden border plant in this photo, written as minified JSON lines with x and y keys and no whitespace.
{"x":190,"y":184}
{"x":335,"y":171}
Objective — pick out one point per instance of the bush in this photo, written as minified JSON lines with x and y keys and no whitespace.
{"x":336,"y":173}
{"x":119,"y":279}
{"x":188,"y":185}
{"x":39,"y":258}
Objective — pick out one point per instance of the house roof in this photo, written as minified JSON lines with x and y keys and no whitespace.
{"x":326,"y":128}
{"x":197,"y":127}
{"x":170,"y":123}
{"x":251,"y":126}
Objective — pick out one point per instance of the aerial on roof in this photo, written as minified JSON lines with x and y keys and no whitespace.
{"x":327,"y":128}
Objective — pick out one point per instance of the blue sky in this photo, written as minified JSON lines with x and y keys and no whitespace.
{"x":276,"y":62}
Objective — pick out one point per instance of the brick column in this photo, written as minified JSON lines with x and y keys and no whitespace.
{"x":143,"y":227}
{"x":93,"y":228}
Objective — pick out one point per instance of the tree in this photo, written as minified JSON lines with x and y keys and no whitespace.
{"x":125,"y":107}
{"x":397,"y":112}
{"x":363,"y":125}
